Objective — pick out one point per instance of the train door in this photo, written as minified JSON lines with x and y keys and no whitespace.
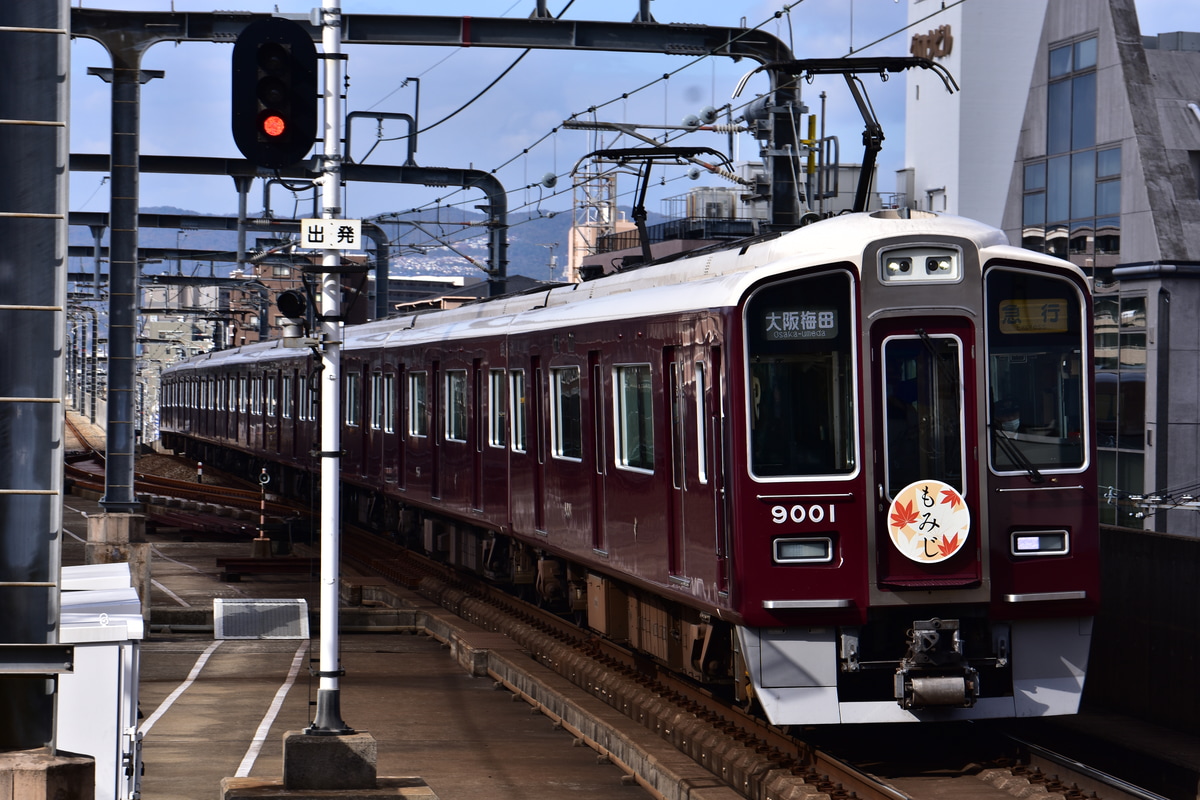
{"x":925,"y":462}
{"x":352,"y":428}
{"x":676,"y":417}
{"x":600,"y":452}
{"x":403,"y":427}
{"x":391,"y":449}
{"x":478,"y":434}
{"x":537,"y":427}
{"x":241,"y":431}
{"x":376,"y":431}
{"x":696,"y":546}
{"x":436,"y":431}
{"x":227,"y":424}
{"x":290,"y":396}
{"x":520,"y":470}
{"x":712,"y":409}
{"x":271,"y":412}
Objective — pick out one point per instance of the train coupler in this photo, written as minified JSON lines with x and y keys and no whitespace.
{"x":934,"y":691}
{"x":934,"y":673}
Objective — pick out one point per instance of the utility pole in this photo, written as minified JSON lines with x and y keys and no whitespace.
{"x":328,"y":721}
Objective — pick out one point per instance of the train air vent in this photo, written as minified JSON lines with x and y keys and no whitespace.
{"x":259,"y":619}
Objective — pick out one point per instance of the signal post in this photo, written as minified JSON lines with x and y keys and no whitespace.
{"x":274,"y":121}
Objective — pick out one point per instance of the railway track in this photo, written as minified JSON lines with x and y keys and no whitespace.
{"x":1048,"y":766}
{"x":752,"y":757}
{"x":219,"y":503}
{"x":81,"y":438}
{"x":749,"y":756}
{"x":90,"y":474}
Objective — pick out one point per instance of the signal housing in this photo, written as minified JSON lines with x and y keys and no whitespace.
{"x":275,"y":97}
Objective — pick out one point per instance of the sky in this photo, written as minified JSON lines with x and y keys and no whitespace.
{"x":509,"y":129}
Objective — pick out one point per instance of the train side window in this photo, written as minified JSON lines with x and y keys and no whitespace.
{"x":306,"y":399}
{"x":351,"y":412}
{"x":376,"y":401}
{"x":389,"y":403}
{"x":456,"y":405}
{"x":243,"y":395}
{"x":272,"y":395}
{"x":635,"y":417}
{"x":417,"y":421}
{"x":566,"y":432}
{"x":286,"y":393}
{"x":520,"y":439}
{"x":497,"y":407}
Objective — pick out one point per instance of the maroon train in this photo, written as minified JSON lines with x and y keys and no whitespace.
{"x":848,"y":471}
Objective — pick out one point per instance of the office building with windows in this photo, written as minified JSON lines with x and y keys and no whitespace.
{"x":1080,"y":136}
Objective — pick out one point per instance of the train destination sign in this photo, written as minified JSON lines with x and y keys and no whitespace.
{"x":1034,"y":316}
{"x":800,"y":323}
{"x":331,"y":234}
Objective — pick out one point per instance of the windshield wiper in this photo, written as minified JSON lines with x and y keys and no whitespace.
{"x":1015,"y":454}
{"x":940,"y":360}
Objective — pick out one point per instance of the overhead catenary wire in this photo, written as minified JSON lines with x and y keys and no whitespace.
{"x":624,"y":96}
{"x":783,"y":13}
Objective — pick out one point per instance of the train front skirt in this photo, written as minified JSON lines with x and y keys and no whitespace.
{"x":795,"y":672}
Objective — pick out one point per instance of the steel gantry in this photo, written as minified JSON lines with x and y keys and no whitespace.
{"x":127,"y":35}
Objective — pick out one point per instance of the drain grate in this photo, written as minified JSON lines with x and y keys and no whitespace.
{"x":260,"y":619}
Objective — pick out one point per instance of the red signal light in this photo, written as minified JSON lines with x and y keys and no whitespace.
{"x":273,"y":125}
{"x":274,"y":97}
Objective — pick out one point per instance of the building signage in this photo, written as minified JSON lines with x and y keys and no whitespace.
{"x":936,"y":44}
{"x":331,"y":234}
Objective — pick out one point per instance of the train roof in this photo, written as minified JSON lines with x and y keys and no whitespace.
{"x":696,"y":282}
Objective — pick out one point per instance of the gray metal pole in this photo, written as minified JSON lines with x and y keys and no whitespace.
{"x":123,"y":298}
{"x":328,"y":720}
{"x":34,"y":58}
{"x":97,"y":240}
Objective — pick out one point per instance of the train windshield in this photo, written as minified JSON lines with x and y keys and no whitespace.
{"x":799,"y":336}
{"x":1035,"y":346}
{"x":923,"y":423}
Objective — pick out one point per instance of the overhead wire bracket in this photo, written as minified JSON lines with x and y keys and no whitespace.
{"x":648,"y":156}
{"x":851,"y":68}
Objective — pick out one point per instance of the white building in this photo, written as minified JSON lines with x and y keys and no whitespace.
{"x":1079,"y":136}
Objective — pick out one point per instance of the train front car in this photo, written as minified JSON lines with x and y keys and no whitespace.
{"x":916,"y":502}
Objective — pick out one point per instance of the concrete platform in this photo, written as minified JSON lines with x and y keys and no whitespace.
{"x":216,"y":710}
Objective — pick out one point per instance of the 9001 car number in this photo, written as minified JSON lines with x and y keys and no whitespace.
{"x":799,"y":513}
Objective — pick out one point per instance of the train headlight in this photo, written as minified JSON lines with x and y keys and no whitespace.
{"x":920,"y":264}
{"x":809,"y":550}
{"x":1040,"y":543}
{"x":938,"y":265}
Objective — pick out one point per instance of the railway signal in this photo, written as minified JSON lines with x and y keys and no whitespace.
{"x":274,"y":92}
{"x":293,"y":306}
